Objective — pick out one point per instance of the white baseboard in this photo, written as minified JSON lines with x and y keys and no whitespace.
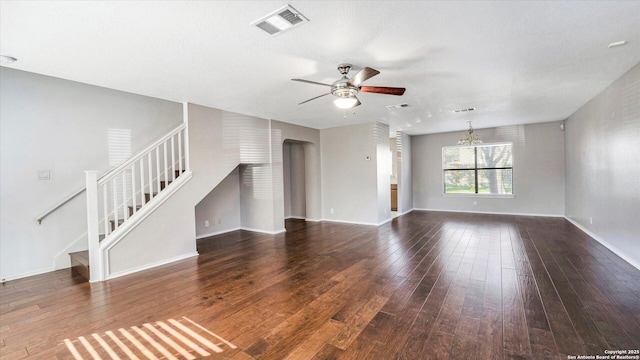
{"x":604,"y":243}
{"x":279,"y":231}
{"x":149,"y":266}
{"x":349,"y":222}
{"x":241,"y":228}
{"x":296,"y":218}
{"x":406,"y":212}
{"x":220,"y":232}
{"x":313,"y":220}
{"x":490,"y":212}
{"x":27,"y":274}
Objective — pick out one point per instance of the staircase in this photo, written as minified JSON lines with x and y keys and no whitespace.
{"x":121,"y":199}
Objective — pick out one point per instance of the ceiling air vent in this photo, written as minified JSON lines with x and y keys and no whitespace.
{"x":283,"y":19}
{"x":399,"y":106}
{"x":464,"y":110}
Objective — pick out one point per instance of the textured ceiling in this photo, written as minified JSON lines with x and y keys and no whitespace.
{"x":516,"y":62}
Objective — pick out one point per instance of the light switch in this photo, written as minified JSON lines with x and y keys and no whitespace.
{"x":44,"y":175}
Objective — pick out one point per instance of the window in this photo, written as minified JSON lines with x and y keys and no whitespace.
{"x":478,"y":169}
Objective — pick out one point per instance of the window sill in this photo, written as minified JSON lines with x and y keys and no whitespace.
{"x":484,"y":196}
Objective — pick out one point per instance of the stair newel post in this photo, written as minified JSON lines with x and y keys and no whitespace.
{"x":185,"y":118}
{"x":95,"y":259}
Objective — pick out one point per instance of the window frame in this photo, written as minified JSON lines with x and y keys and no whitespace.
{"x":475,"y":169}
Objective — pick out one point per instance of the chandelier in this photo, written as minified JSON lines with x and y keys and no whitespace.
{"x":469,"y":138}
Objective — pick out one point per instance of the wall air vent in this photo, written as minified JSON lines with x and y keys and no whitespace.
{"x":281,"y":20}
{"x":464,"y":110}
{"x":399,"y":106}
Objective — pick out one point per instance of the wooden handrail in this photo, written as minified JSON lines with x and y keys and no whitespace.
{"x":111,"y":173}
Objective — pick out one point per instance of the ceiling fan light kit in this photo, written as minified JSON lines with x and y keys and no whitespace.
{"x":345,"y":89}
{"x":345,"y":102}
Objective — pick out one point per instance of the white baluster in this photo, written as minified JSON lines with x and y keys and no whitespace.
{"x":105,"y":200}
{"x":180,"y":150}
{"x":95,"y":260}
{"x":125,"y":212}
{"x":166,"y":168}
{"x":142,"y":199}
{"x":158,"y":169}
{"x":173,"y":159}
{"x":114,"y":191}
{"x":150,"y":176}
{"x":133,"y":188}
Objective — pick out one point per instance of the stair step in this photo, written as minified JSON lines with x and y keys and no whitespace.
{"x":113,"y":223}
{"x":137,"y":209}
{"x":147,"y":196}
{"x":80,"y":263}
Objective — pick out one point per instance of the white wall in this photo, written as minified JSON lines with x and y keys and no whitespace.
{"x":221,"y":207}
{"x":349,"y":180}
{"x":538,"y":171}
{"x":58,"y":125}
{"x":603,"y":166}
{"x":383,"y":170}
{"x":405,"y":178}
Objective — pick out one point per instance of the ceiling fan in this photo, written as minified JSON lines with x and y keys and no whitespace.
{"x":345,"y":89}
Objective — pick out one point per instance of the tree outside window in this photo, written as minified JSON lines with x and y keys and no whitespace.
{"x":480,"y":169}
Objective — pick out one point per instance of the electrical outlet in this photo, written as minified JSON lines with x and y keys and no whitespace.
{"x":475,"y":202}
{"x":590,"y":220}
{"x":206,"y":223}
{"x":331,"y":210}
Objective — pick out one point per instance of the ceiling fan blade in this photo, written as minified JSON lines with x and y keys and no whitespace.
{"x":358,"y":103}
{"x":306,"y":101}
{"x":311,"y":82}
{"x":382,"y":90}
{"x":364,"y":74}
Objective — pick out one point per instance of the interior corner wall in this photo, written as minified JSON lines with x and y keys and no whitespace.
{"x":61,"y":126}
{"x":603,"y":166}
{"x":405,"y":178}
{"x":220,"y":208}
{"x":349,"y":174}
{"x":538,"y":171}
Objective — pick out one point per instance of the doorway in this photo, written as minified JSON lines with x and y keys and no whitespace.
{"x":294,"y":180}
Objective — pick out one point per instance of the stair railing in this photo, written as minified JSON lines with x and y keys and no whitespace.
{"x":120,"y":194}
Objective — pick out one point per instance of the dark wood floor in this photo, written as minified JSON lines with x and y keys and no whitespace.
{"x":427,"y":285}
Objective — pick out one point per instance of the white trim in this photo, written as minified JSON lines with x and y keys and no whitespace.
{"x":490,"y":212}
{"x":150,"y":266}
{"x":406,"y":212}
{"x":279,"y":231}
{"x":296,"y":217}
{"x":350,"y":222}
{"x":27,"y":274}
{"x":482,"y":196}
{"x":386,"y":221}
{"x":220,"y":232}
{"x":117,"y":235}
{"x":604,"y":243}
{"x":313,"y":220}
